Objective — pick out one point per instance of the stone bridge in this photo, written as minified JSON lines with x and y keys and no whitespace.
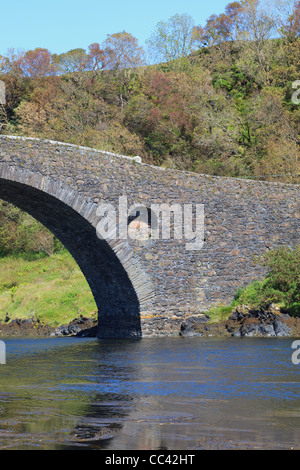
{"x":147,"y":286}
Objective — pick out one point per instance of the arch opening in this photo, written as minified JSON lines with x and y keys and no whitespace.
{"x":115,"y":296}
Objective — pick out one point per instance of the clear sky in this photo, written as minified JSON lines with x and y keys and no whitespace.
{"x":61,"y":25}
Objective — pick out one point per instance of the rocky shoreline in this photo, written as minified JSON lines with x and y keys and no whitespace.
{"x":81,"y":327}
{"x":243,"y":322}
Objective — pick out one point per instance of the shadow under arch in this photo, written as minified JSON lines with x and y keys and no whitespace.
{"x":115,"y":285}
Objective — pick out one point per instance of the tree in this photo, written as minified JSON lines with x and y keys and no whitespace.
{"x":258,"y":52}
{"x":121,"y":50}
{"x":118,"y":51}
{"x":172,"y":39}
{"x":216,"y":30}
{"x":34,"y":112}
{"x":75,"y":60}
{"x":256,"y":23}
{"x":245,"y":20}
{"x":96,"y":57}
{"x":294,"y":22}
{"x":288,"y":19}
{"x":10,"y":63}
{"x":37,"y":63}
{"x":281,"y":161}
{"x":220,"y":28}
{"x":11,"y":74}
{"x":233,"y":11}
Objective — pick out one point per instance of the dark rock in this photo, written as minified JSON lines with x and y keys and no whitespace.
{"x":259,"y":329}
{"x":67,"y":330}
{"x":193,"y":325}
{"x":245,"y":321}
{"x":88,"y":332}
{"x":82,"y":326}
{"x":281,"y":328}
{"x":61,"y":330}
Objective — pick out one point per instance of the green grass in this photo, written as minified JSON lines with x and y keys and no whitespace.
{"x":220,"y":313}
{"x":51,"y":289}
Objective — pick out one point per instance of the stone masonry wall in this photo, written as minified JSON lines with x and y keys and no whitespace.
{"x":243,"y":218}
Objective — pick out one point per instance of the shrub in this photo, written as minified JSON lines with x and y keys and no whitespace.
{"x":281,"y":284}
{"x":284,"y":272}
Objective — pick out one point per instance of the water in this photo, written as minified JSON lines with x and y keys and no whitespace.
{"x":162,"y":393}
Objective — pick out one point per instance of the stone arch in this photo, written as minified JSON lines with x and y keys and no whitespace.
{"x":118,"y":282}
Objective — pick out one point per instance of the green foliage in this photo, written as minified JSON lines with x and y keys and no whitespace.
{"x":281,"y":284}
{"x":21,"y":234}
{"x":283,"y":267}
{"x":51,"y":289}
{"x":259,"y":294}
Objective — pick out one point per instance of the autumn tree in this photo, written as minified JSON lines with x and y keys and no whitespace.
{"x":11,"y":74}
{"x":121,"y":50}
{"x":245,"y":20}
{"x":233,"y":12}
{"x":34,"y":113}
{"x":288,"y":19}
{"x":36,"y":63}
{"x":118,"y":51}
{"x":219,"y":28}
{"x":294,"y":22}
{"x":216,"y":30}
{"x":224,"y":110}
{"x":96,"y":57}
{"x":272,"y":140}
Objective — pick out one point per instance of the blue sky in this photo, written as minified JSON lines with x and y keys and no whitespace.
{"x":61,"y":25}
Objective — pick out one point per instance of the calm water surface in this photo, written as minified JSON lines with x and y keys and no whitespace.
{"x":162,"y":393}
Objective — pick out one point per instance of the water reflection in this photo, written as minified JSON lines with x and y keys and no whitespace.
{"x":178,"y":393}
{"x":50,"y":394}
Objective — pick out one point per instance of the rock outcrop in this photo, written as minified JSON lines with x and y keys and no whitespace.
{"x":244,"y":321}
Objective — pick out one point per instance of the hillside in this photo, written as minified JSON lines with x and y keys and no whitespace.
{"x":224,"y":110}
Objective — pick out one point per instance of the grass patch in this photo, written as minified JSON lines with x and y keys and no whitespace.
{"x":220,"y":313}
{"x":52,"y":289}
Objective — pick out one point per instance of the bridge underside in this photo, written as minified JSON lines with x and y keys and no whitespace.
{"x":116,"y":299}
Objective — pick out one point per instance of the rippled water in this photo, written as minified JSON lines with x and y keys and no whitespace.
{"x":162,"y":393}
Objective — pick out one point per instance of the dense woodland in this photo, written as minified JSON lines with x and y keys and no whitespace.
{"x":220,"y":98}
